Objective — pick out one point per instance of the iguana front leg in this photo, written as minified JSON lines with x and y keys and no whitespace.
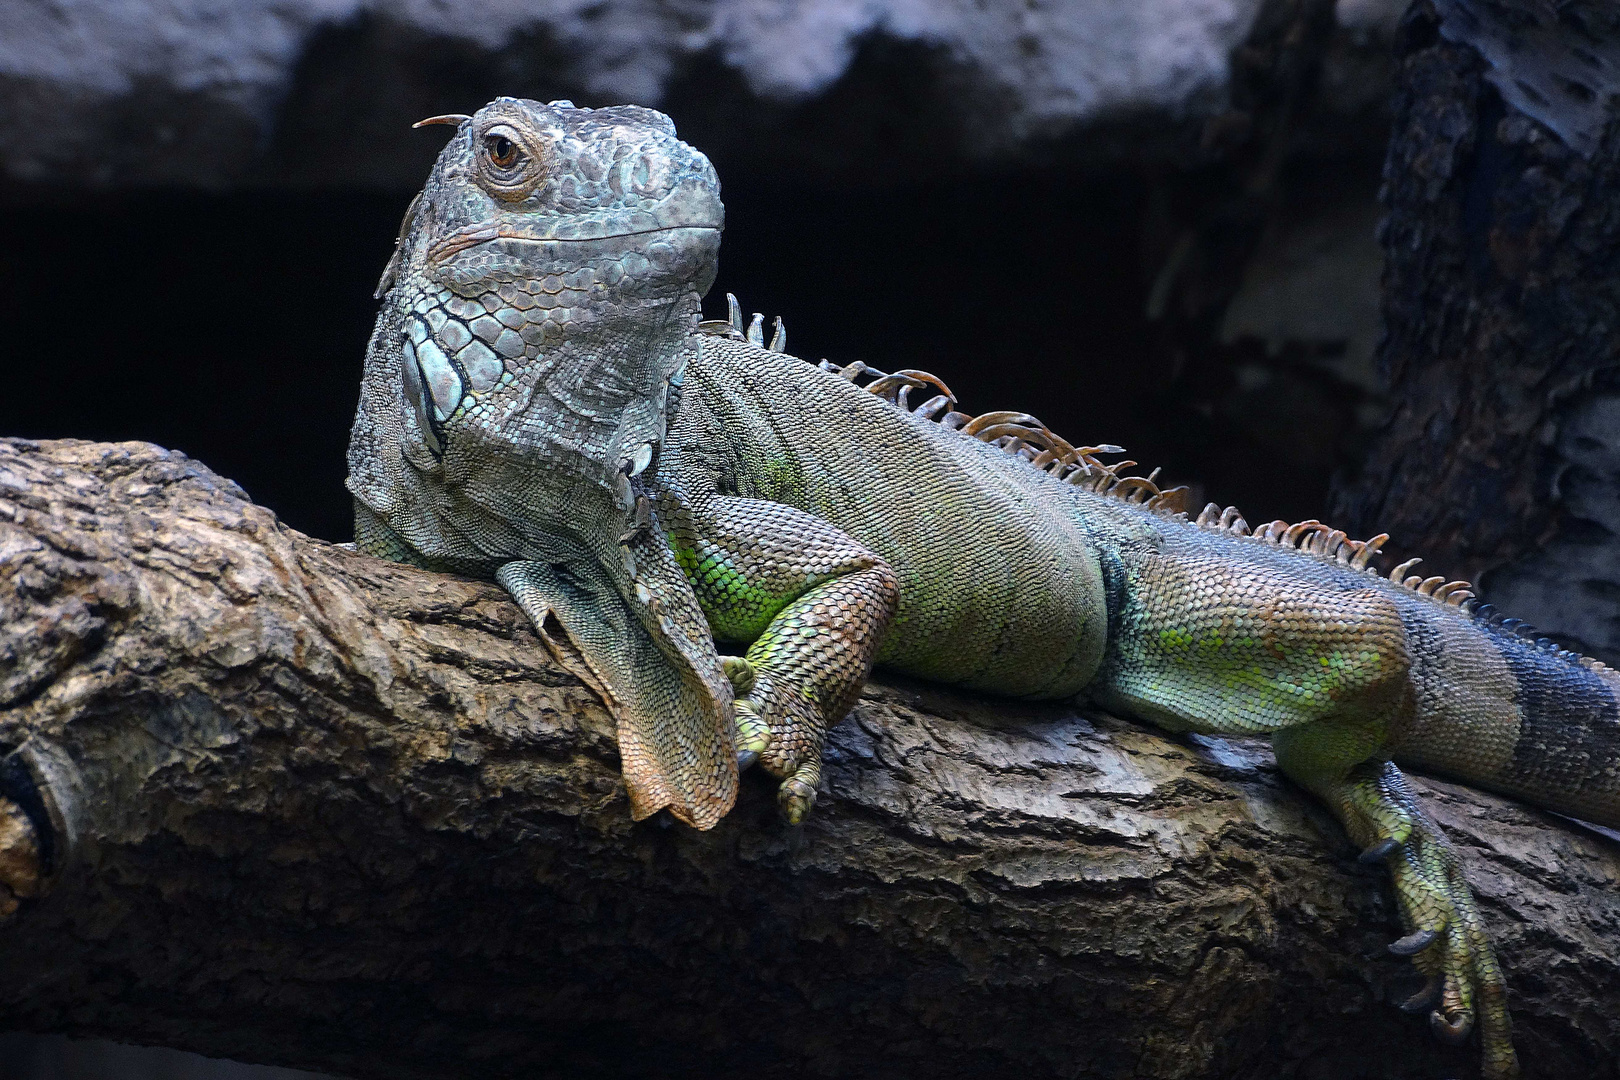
{"x":811,"y":604}
{"x":1446,"y":938}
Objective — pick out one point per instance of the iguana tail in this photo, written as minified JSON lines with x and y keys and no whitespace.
{"x":1504,"y":711}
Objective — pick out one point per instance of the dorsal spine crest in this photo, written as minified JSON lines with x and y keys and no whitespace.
{"x":1024,"y":436}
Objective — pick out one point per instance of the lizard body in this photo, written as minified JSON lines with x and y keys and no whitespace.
{"x":541,"y":405}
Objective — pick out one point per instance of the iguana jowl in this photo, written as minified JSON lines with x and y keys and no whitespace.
{"x":541,"y":405}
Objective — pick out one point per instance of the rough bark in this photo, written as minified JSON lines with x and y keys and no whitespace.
{"x":1502,"y":302}
{"x":346,"y":815}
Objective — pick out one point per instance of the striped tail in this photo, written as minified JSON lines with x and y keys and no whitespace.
{"x":1505,"y":713}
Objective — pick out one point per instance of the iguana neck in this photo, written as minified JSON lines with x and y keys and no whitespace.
{"x":601,"y":394}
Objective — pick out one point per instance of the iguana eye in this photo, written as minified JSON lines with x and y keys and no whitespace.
{"x":502,"y":151}
{"x":508,"y":168}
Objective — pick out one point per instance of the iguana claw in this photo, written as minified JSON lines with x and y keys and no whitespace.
{"x":1413,"y":943}
{"x":753,"y":736}
{"x":1381,"y":850}
{"x":1426,"y":998}
{"x":796,"y":798}
{"x":1453,"y":1032}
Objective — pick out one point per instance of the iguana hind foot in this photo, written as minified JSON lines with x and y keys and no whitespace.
{"x":1446,"y":938}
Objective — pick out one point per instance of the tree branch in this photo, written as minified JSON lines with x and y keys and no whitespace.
{"x":342,"y":814}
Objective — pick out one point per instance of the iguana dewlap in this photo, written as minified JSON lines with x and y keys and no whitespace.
{"x":541,"y":405}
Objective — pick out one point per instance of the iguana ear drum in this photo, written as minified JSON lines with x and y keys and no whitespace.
{"x":416,"y":396}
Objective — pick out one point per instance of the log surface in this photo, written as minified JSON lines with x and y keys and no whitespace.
{"x":347,"y":815}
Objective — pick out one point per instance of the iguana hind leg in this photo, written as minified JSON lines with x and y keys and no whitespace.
{"x":1326,"y":672}
{"x":1446,"y":937}
{"x":813,"y":605}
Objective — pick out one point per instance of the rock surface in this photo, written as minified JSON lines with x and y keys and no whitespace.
{"x":223,"y":92}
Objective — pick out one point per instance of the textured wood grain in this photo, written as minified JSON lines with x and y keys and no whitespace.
{"x":347,"y":815}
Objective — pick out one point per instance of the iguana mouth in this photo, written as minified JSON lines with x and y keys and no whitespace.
{"x":484,"y":232}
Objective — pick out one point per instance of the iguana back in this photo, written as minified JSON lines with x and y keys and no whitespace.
{"x":1000,"y":586}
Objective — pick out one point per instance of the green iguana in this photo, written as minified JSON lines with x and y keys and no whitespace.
{"x":542,"y":405}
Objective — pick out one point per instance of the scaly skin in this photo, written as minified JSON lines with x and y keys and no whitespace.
{"x":541,"y":406}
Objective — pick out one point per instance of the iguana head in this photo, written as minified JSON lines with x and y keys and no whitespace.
{"x":537,"y":306}
{"x":520,"y":174}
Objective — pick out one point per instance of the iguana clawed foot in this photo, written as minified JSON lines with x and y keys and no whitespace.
{"x":1447,"y":941}
{"x":781,"y":731}
{"x":753,"y":735}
